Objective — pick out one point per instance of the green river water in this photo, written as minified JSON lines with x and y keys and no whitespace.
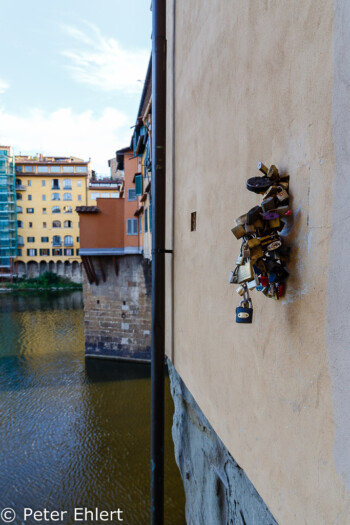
{"x":75,"y":433}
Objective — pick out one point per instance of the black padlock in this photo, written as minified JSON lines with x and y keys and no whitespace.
{"x":244,"y":312}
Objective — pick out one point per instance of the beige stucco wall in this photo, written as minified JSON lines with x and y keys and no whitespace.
{"x":254,"y":81}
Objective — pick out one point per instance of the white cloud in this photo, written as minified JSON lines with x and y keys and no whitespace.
{"x":66,"y":133}
{"x":104,"y":63}
{"x":3,"y":86}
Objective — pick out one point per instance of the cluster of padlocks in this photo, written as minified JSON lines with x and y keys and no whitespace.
{"x":262,"y":260}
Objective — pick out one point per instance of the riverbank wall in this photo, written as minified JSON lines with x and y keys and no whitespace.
{"x":117,"y":310}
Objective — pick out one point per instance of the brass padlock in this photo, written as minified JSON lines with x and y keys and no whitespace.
{"x":238,"y":231}
{"x":245,"y":272}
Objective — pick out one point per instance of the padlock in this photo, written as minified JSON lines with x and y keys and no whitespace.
{"x":252,"y":243}
{"x":242,"y":219}
{"x":240,"y":260}
{"x":245,"y":272}
{"x":274,"y":245}
{"x":244,"y":312}
{"x":258,"y":184}
{"x":282,"y":195}
{"x":256,"y":253}
{"x":270,"y":192}
{"x":264,"y":280}
{"x":249,"y":228}
{"x":268,"y":204}
{"x":232,"y":278}
{"x":273,"y":173}
{"x":281,"y":289}
{"x":253,"y":214}
{"x":238,"y":231}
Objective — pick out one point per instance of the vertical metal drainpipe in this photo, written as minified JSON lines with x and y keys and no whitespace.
{"x":158,"y":262}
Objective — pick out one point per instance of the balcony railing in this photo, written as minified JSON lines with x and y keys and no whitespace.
{"x":20,"y":187}
{"x":56,"y":244}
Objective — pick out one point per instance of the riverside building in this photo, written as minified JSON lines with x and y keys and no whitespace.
{"x":8,"y":229}
{"x":48,"y":189}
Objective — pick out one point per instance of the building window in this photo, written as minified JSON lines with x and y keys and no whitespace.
{"x":94,"y":196}
{"x":44,"y":239}
{"x":68,"y":224}
{"x":19,"y":169}
{"x":68,"y":251}
{"x":44,"y":210}
{"x":29,"y":183}
{"x":29,"y":197}
{"x":140,"y":224}
{"x":30,"y":210}
{"x":56,"y":209}
{"x":131,"y":226}
{"x":138,"y":184}
{"x":20,"y":241}
{"x":81,"y":169}
{"x":67,"y":209}
{"x":19,"y":196}
{"x":44,"y":251}
{"x":19,"y":224}
{"x":30,"y":225}
{"x":32,"y":252}
{"x":55,"y":169}
{"x":55,"y":197}
{"x":56,"y":241}
{"x":78,"y":239}
{"x":44,"y":224}
{"x":55,"y":185}
{"x":79,"y":197}
{"x":43,"y":182}
{"x":43,"y":169}
{"x":68,"y":169}
{"x":57,"y":251}
{"x":131,"y":194}
{"x":43,"y":197}
{"x":56,"y":224}
{"x":30,"y":239}
{"x":67,"y":184}
{"x":77,"y":251}
{"x":29,"y":169}
{"x":19,"y":252}
{"x":67,"y":196}
{"x":79,"y":183}
{"x":19,"y":209}
{"x":68,"y":240}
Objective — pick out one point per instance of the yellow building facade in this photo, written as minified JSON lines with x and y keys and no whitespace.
{"x":48,"y":189}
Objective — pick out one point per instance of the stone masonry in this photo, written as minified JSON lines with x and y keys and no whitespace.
{"x":117,"y":312}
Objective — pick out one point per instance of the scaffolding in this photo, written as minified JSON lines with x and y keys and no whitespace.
{"x":8,"y":216}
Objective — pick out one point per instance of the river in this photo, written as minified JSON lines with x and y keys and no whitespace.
{"x":75,"y":432}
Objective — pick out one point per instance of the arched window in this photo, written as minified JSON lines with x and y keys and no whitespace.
{"x":56,"y":224}
{"x":19,"y":224}
{"x":19,"y":209}
{"x":67,"y":196}
{"x":67,"y":184}
{"x":19,"y":196}
{"x":68,"y":240}
{"x":55,"y":197}
{"x":67,"y":209}
{"x":56,"y":241}
{"x":68,"y":224}
{"x":56,"y":209}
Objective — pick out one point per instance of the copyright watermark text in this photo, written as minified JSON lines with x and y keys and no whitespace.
{"x":79,"y":514}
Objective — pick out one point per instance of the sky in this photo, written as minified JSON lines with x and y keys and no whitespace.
{"x":71,"y":75}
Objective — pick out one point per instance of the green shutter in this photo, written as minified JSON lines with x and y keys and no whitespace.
{"x":138,"y":184}
{"x":146,"y":220}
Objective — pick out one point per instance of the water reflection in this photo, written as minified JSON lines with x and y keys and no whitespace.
{"x":74,"y":433}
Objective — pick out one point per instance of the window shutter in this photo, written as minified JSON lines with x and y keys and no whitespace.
{"x":138,"y":184}
{"x":146,"y":220}
{"x":150,"y":217}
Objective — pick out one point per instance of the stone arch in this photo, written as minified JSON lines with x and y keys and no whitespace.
{"x":52,"y":266}
{"x":21,"y":268}
{"x":67,"y":269}
{"x":32,"y":269}
{"x":59,"y":268}
{"x":42,"y":267}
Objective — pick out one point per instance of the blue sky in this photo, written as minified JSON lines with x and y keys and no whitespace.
{"x":71,"y":75}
